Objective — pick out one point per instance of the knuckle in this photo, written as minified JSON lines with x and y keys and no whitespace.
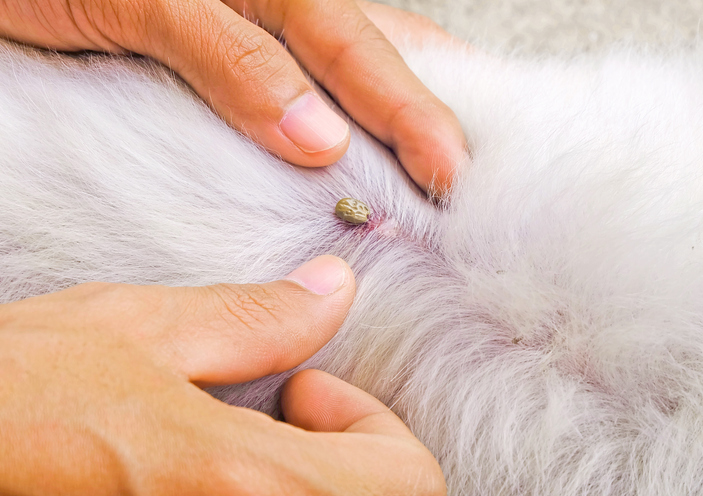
{"x":103,"y":25}
{"x":366,"y":32}
{"x":425,"y":107}
{"x":363,"y":38}
{"x":254,"y":56}
{"x":249,"y":305}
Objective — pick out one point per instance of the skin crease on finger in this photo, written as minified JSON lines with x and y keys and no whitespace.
{"x":251,"y":81}
{"x":368,"y":77}
{"x":92,"y":404}
{"x":139,"y":435}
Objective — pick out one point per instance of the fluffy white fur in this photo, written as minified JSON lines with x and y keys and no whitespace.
{"x":543,"y":335}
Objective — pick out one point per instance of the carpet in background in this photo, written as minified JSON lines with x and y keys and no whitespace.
{"x":564,"y":26}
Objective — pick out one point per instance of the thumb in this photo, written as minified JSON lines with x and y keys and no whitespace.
{"x":221,"y":334}
{"x":235,"y":333}
{"x":243,"y":73}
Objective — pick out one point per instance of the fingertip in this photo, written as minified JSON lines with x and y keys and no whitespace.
{"x":300,"y":402}
{"x":296,"y":156}
{"x":316,"y":130}
{"x":323,"y":275}
{"x":435,"y":152}
{"x":448,"y":161}
{"x":317,"y":401}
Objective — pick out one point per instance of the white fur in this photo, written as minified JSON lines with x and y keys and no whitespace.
{"x":543,"y":335}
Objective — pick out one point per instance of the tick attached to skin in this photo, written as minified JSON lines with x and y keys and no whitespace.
{"x":352,"y":211}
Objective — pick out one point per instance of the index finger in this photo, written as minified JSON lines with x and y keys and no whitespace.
{"x":361,"y":436}
{"x":353,"y":60}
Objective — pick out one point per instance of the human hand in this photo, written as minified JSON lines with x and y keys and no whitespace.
{"x":98,"y":396}
{"x":244,"y":73}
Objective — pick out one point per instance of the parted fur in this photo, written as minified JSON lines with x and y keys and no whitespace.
{"x":542,"y":334}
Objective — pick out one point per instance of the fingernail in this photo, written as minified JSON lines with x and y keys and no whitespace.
{"x":322,"y":275}
{"x":312,"y":125}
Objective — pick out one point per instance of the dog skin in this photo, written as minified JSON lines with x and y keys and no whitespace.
{"x":541,"y":333}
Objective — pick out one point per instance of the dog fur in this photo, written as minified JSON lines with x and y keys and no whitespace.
{"x":542,"y":334}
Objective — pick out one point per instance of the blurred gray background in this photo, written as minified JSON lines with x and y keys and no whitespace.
{"x":564,"y":26}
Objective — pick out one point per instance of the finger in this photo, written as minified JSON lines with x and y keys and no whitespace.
{"x":236,"y":333}
{"x":219,"y":334}
{"x":374,"y":445}
{"x":243,"y":72}
{"x":317,"y":401}
{"x":352,"y":59}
